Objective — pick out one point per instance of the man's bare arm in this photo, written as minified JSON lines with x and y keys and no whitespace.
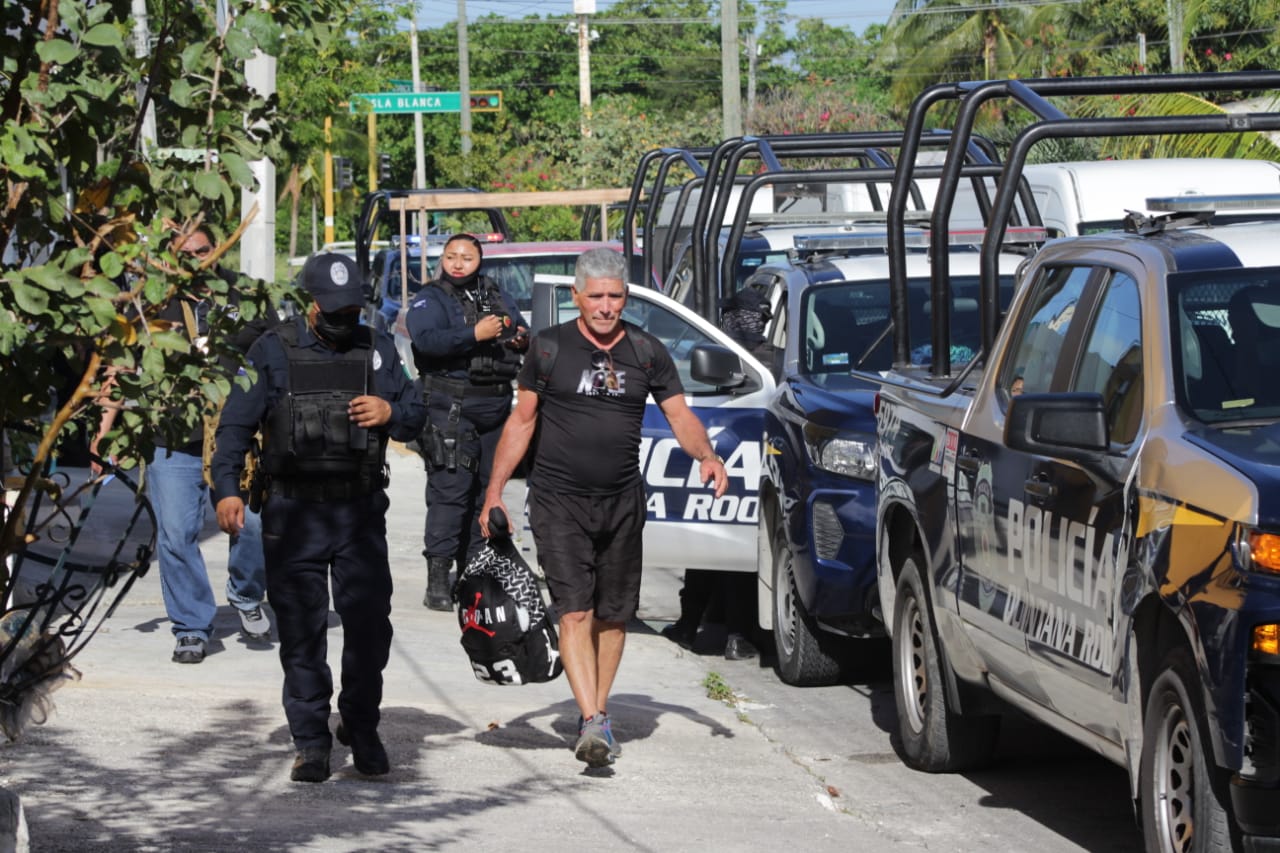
{"x":693,"y":439}
{"x":512,"y":446}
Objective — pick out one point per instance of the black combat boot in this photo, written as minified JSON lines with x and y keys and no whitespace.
{"x":438,"y":596}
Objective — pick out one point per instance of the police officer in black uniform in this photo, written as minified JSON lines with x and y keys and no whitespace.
{"x":467,"y":339}
{"x":328,"y":395}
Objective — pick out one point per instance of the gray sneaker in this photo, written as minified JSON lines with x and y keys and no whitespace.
{"x":596,"y":745}
{"x":254,"y":623}
{"x":188,"y":650}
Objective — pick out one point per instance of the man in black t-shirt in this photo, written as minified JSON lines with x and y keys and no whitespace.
{"x":586,"y":493}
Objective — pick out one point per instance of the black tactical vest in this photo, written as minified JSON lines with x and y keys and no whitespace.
{"x":490,"y":363}
{"x":308,"y":435}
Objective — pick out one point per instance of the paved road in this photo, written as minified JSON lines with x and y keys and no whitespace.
{"x":143,"y":754}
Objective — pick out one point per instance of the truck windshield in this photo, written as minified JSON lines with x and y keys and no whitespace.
{"x":1226,"y":329}
{"x":841,"y":320}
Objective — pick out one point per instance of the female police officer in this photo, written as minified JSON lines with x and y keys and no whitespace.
{"x":467,"y":338}
{"x":327,"y":396}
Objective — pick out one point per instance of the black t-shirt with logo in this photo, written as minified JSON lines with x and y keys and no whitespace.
{"x":591,"y":411}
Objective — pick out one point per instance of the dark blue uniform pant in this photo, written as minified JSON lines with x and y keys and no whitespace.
{"x":302,"y":542}
{"x":454,"y":497}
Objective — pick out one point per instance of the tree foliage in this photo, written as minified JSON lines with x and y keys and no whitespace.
{"x":87,"y":211}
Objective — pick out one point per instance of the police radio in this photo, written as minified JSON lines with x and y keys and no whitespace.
{"x":487,"y":306}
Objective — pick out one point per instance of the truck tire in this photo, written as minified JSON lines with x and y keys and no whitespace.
{"x":804,"y":656}
{"x":1183,"y":795}
{"x":934,"y":737}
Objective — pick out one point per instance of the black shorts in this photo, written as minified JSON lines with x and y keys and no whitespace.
{"x":590,"y":549}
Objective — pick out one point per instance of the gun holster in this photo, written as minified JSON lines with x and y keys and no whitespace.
{"x":433,"y":446}
{"x":444,"y":448}
{"x":257,"y":490}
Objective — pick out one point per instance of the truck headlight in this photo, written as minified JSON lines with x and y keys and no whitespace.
{"x":850,"y":454}
{"x":1258,"y":551}
{"x":1266,"y":642}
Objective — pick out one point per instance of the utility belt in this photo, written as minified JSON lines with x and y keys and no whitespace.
{"x":321,"y":491}
{"x":459,"y":388}
{"x":443,"y":446}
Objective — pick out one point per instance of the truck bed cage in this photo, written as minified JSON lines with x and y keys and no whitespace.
{"x":874,"y":166}
{"x":1051,"y":123}
{"x":376,"y":210}
{"x":917,"y":217}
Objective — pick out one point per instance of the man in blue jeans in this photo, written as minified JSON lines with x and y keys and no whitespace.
{"x":179,"y":495}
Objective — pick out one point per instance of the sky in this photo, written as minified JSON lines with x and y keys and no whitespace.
{"x":857,"y":15}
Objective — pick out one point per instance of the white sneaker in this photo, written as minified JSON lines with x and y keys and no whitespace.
{"x":254,"y":623}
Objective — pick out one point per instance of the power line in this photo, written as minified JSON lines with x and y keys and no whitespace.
{"x":987,"y":7}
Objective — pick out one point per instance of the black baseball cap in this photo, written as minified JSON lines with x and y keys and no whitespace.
{"x":333,"y":280}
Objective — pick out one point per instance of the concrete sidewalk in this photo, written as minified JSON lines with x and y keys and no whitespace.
{"x":147,"y":755}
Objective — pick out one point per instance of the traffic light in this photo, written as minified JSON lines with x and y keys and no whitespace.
{"x":486,"y":102}
{"x":384,"y":168}
{"x":342,"y":177}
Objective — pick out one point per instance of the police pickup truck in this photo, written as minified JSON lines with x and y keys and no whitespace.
{"x":1087,"y":528}
{"x":829,"y":310}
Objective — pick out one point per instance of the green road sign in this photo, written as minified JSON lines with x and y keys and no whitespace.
{"x":407,"y":102}
{"x":401,"y":85}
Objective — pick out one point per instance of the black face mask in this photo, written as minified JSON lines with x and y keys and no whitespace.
{"x":467,"y":281}
{"x":338,"y":328}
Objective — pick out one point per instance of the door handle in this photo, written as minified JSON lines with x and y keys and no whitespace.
{"x":968,"y":464}
{"x":1040,"y":488}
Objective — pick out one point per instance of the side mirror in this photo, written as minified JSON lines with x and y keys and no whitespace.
{"x":1071,"y":425}
{"x":716,"y":365}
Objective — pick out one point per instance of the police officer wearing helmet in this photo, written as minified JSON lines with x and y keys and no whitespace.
{"x":327,"y":396}
{"x":467,"y":338}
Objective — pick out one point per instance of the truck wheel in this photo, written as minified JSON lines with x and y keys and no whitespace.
{"x":935,"y":738}
{"x":802,"y":659}
{"x":1182,"y":793}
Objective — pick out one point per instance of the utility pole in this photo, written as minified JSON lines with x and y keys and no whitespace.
{"x":464,"y":77}
{"x":419,"y":146}
{"x":328,"y":180}
{"x":258,"y":243}
{"x":583,"y":8}
{"x":1177,"y":45}
{"x":753,"y":55}
{"x":141,"y":50}
{"x":731,"y":92}
{"x":373,"y":151}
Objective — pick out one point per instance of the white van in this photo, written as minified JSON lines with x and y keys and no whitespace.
{"x":1091,"y":196}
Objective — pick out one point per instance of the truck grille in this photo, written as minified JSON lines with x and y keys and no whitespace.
{"x":827,"y":532}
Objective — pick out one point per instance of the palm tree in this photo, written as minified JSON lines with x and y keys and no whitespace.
{"x":931,"y":42}
{"x":1247,"y":145}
